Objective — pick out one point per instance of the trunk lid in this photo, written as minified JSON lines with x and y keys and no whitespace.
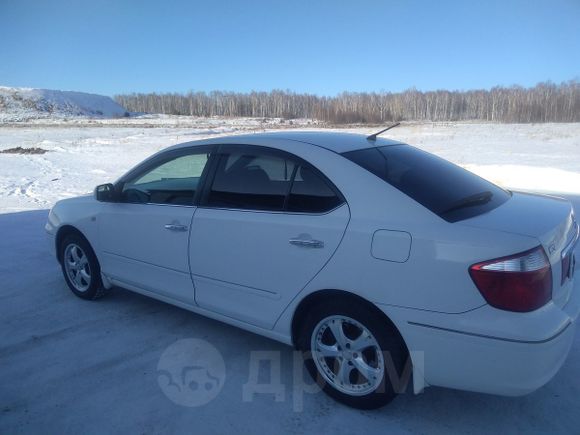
{"x":549,"y":219}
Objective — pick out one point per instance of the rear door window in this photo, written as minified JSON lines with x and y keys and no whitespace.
{"x":310,"y":193}
{"x":446,"y":189}
{"x":255,"y":179}
{"x":250,"y":181}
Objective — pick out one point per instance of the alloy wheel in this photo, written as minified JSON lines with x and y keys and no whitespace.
{"x":77,"y":267}
{"x":347,"y":355}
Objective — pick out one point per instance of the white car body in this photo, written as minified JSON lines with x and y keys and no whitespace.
{"x":380,"y":245}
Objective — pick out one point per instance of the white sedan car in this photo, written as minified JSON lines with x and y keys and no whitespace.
{"x":369,"y":255}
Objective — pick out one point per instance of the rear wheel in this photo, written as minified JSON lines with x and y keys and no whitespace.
{"x":80,"y":268}
{"x":351,"y":351}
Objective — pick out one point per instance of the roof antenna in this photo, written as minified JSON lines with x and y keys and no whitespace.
{"x":373,"y":137}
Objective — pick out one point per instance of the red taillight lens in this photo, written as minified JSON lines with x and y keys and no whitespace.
{"x":521,"y":282}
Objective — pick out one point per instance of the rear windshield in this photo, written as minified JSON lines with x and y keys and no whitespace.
{"x":449,"y":191}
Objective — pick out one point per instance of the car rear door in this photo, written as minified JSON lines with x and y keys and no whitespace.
{"x":267,"y":225}
{"x":144,"y":237}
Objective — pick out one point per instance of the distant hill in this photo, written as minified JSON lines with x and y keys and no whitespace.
{"x":21,"y":104}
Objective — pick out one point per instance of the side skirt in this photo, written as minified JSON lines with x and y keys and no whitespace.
{"x":286,"y":339}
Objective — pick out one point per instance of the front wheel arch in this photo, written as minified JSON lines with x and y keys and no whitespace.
{"x":85,"y":262}
{"x":61,"y":235}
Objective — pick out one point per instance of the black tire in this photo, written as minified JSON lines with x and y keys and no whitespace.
{"x":95,"y":288}
{"x":394,"y":351}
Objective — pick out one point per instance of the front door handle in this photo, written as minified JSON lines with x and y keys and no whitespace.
{"x":307,"y":243}
{"x":176,"y":227}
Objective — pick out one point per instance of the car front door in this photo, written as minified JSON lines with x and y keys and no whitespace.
{"x":144,"y":237}
{"x":267,"y":225}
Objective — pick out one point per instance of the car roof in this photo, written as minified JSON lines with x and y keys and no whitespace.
{"x":330,"y":140}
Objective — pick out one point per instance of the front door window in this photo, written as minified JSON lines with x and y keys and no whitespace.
{"x":171,"y":182}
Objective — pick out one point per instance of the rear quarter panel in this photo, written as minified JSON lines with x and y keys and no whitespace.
{"x":435,"y":275}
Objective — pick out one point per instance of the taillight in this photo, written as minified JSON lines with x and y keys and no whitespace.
{"x":521,"y":282}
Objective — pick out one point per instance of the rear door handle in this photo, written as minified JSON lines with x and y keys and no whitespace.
{"x":307,"y":243}
{"x":176,"y":227}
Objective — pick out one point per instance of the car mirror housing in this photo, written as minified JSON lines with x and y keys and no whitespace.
{"x":106,"y":193}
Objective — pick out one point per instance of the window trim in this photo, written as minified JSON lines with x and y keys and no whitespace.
{"x":215,"y":152}
{"x":225,"y":150}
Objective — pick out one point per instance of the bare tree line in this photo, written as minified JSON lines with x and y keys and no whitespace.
{"x":545,"y":102}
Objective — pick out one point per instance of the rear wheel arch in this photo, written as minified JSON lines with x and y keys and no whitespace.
{"x":316,"y":298}
{"x":351,"y":349}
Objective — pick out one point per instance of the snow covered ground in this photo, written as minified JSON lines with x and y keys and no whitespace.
{"x":84,"y":153}
{"x":71,"y":366}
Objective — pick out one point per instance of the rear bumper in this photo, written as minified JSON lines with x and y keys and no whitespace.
{"x":488,"y":350}
{"x":490,"y":365}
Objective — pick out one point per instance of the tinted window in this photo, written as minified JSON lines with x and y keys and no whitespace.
{"x":251,"y":181}
{"x":171,"y":182}
{"x":444,"y":188}
{"x":310,"y":193}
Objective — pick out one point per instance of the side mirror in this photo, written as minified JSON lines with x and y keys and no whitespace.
{"x":106,"y":193}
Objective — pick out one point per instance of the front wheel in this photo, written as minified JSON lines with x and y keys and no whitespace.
{"x":356,"y":355}
{"x":80,"y":268}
